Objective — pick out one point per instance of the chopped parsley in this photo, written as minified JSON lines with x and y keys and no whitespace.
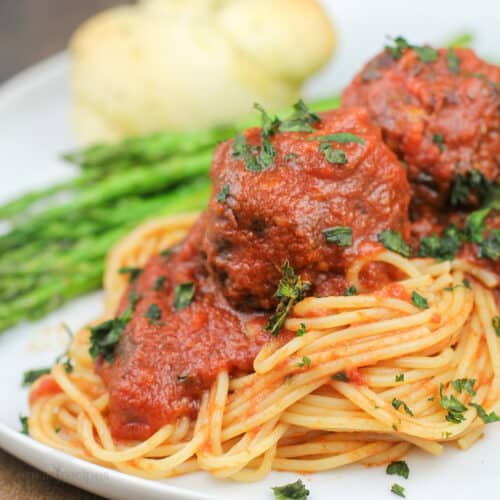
{"x":340,"y":235}
{"x":290,"y":290}
{"x":224,"y":193}
{"x":397,"y":403}
{"x":424,"y":53}
{"x":105,"y":336}
{"x":153,"y":313}
{"x":392,"y":240}
{"x":453,"y":61}
{"x":31,"y":376}
{"x":454,"y":407}
{"x":159,"y":282}
{"x":166,"y":253}
{"x":396,"y":51}
{"x":133,"y":272}
{"x":258,"y":158}
{"x":464,"y":384}
{"x":439,"y":141}
{"x":292,"y":491}
{"x":242,"y":150}
{"x":485,"y":417}
{"x":305,"y":362}
{"x":400,"y":377}
{"x":495,"y":322}
{"x":350,"y":291}
{"x":444,"y":247}
{"x":335,"y":156}
{"x":475,"y":225}
{"x":419,"y":301}
{"x":183,"y":295}
{"x":474,"y":184}
{"x":340,"y":137}
{"x":399,"y":468}
{"x":301,"y":331}
{"x":466,"y":283}
{"x":490,"y":246}
{"x":24,"y":425}
{"x":398,"y":490}
{"x":301,"y":120}
{"x":341,"y":377}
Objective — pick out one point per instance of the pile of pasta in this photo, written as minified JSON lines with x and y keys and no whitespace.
{"x":323,"y":400}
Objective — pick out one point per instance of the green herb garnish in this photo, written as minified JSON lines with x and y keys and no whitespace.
{"x":474,"y":183}
{"x":133,"y":272}
{"x":335,"y":156}
{"x":400,"y":377}
{"x":398,"y":490}
{"x":292,"y":491}
{"x":301,"y":331}
{"x":444,"y":247}
{"x":453,"y":61}
{"x":341,"y":377}
{"x":487,"y":418}
{"x":419,"y":301}
{"x":439,"y":141}
{"x":350,"y":291}
{"x":153,"y":313}
{"x":399,"y":468}
{"x":424,"y":53}
{"x":495,"y":322}
{"x":224,"y":193}
{"x":304,"y":362}
{"x":183,"y":295}
{"x":24,"y":425}
{"x":105,"y":336}
{"x":490,"y":246}
{"x":159,"y":282}
{"x":464,"y":384}
{"x":454,"y":407}
{"x":340,"y":235}
{"x":290,"y":290}
{"x":475,"y":225}
{"x":397,"y":403}
{"x":31,"y":376}
{"x":301,"y":120}
{"x":392,"y":240}
{"x":340,"y":137}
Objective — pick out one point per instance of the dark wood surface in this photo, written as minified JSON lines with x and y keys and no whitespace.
{"x":30,"y":31}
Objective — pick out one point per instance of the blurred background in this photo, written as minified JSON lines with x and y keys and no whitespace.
{"x":32,"y":30}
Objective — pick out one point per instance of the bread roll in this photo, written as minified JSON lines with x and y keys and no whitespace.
{"x":187,"y":64}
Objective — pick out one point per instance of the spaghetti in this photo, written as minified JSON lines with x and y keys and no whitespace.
{"x":367,"y":379}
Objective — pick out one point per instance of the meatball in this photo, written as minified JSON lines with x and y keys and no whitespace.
{"x":441,"y":117}
{"x":321,"y":190}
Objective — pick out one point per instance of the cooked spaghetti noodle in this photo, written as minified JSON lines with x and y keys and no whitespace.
{"x":322,"y":400}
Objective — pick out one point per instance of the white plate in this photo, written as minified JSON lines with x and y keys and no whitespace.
{"x":35,"y":128}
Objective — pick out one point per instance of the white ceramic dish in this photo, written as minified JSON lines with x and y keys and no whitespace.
{"x":35,"y":128}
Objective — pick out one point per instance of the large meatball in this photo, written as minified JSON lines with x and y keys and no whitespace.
{"x":258,"y":219}
{"x":439,"y":111}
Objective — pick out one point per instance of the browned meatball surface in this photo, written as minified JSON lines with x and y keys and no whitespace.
{"x":258,"y":219}
{"x":439,"y":111}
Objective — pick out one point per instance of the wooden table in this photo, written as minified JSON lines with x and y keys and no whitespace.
{"x":31,"y":30}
